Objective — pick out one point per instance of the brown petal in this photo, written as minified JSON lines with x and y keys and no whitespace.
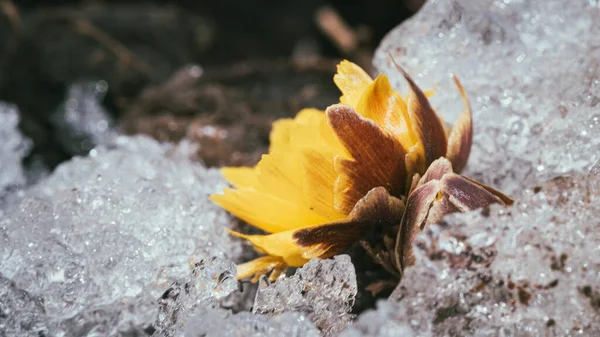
{"x":436,"y":170}
{"x":461,"y":136}
{"x":417,"y":208}
{"x":440,"y":209}
{"x":506,"y":199}
{"x":377,"y":158}
{"x":426,"y":123}
{"x":377,"y":208}
{"x":465,"y":194}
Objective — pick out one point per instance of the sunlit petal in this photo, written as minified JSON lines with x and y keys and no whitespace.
{"x":460,"y":139}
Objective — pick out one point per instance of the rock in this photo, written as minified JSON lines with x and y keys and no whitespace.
{"x":101,"y":239}
{"x":324,"y":290}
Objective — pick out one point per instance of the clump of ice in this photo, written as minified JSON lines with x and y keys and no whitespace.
{"x":81,"y":122}
{"x":13,"y":148}
{"x":324,"y":290}
{"x":102,"y":238}
{"x":532,"y":270}
{"x":530,"y":69}
{"x":219,"y":322}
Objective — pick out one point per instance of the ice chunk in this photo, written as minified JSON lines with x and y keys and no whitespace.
{"x":530,"y":270}
{"x":81,"y":122}
{"x":209,"y":282}
{"x":103,"y":237}
{"x":13,"y":148}
{"x":324,"y":290}
{"x":530,"y":70}
{"x":387,"y":321}
{"x":219,"y":322}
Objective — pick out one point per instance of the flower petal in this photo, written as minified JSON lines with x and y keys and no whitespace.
{"x":318,"y":182}
{"x":351,"y":80}
{"x":460,"y":139}
{"x":439,"y":209}
{"x":281,"y":245}
{"x":466,"y":195}
{"x":426,"y":123}
{"x":436,"y":170}
{"x":280,"y":175}
{"x":417,"y":207}
{"x":260,"y":266}
{"x":375,"y":210}
{"x":265,"y":211}
{"x":380,"y":103}
{"x":240,"y":176}
{"x":505,"y":199}
{"x":378,"y":159}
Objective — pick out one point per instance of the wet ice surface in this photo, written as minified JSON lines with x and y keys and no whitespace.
{"x":13,"y":147}
{"x":532,"y":270}
{"x":322,"y":289}
{"x":530,"y":69}
{"x":100,"y":240}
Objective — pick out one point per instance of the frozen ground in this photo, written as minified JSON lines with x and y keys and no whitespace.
{"x":123,"y":241}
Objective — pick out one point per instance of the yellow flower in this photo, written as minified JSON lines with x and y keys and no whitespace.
{"x":332,"y":176}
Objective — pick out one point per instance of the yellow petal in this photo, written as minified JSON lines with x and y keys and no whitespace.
{"x":279,"y":138}
{"x":259,"y":266}
{"x":309,"y":116}
{"x":351,"y":80}
{"x":318,"y":182}
{"x":282,"y":137}
{"x":461,"y":135}
{"x":281,"y":245}
{"x":378,"y":158}
{"x":386,"y":107}
{"x":280,"y":175}
{"x":265,"y":211}
{"x":240,"y":176}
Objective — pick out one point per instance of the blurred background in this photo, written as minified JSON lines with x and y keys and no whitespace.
{"x":213,"y":73}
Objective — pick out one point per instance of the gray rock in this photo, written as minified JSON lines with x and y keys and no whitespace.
{"x":324,"y":290}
